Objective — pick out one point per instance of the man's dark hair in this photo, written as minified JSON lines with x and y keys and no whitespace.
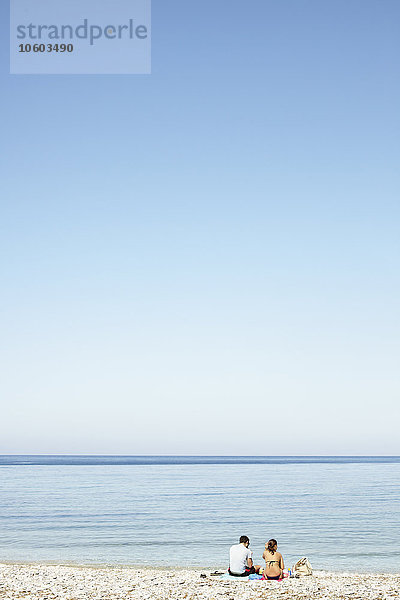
{"x":243,"y":539}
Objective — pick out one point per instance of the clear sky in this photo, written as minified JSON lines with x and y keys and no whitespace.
{"x":206,"y":260}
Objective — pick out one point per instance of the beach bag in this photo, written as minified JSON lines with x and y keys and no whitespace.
{"x":302,"y":567}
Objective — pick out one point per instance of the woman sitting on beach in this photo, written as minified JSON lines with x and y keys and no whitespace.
{"x":273,"y":561}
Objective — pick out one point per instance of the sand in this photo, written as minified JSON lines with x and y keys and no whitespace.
{"x":51,"y":582}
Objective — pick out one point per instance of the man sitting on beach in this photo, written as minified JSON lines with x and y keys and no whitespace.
{"x":240,"y":559}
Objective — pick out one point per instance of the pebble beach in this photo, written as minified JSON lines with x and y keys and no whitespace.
{"x":53,"y":582}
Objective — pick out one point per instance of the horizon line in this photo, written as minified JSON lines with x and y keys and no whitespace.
{"x":216,"y":455}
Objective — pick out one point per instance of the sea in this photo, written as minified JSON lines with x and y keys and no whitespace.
{"x":343,"y":513}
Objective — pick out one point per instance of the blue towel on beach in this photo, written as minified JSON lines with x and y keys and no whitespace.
{"x":252,"y":577}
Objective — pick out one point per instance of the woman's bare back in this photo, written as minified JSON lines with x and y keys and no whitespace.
{"x":273,"y":563}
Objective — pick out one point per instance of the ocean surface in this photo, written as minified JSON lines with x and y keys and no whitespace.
{"x":341,"y":512}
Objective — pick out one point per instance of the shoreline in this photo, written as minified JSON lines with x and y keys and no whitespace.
{"x":169,"y":568}
{"x":40,"y":581}
{"x":166,"y":568}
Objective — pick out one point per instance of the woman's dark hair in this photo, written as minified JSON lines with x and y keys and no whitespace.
{"x":272,"y":545}
{"x":243,"y":539}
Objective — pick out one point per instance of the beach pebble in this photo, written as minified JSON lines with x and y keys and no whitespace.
{"x":63,"y":582}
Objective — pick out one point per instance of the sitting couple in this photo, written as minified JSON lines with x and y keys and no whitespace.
{"x":241,"y":560}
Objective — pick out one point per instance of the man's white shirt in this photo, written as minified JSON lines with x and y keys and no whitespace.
{"x":238,"y":556}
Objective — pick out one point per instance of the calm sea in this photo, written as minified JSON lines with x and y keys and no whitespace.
{"x":341,"y":512}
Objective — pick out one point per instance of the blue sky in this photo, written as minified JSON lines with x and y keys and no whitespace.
{"x":206,"y":260}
